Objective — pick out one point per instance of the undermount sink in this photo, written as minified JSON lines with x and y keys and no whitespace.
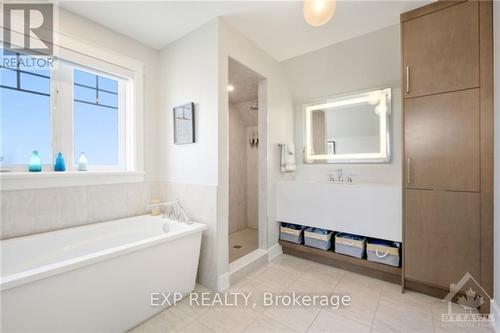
{"x":367,"y":209}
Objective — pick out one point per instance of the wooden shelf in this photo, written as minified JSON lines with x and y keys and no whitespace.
{"x":361,"y":266}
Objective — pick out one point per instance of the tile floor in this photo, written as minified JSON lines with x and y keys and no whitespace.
{"x":247,"y":238}
{"x":377,"y":306}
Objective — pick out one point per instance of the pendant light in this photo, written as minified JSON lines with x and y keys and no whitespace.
{"x":318,"y":12}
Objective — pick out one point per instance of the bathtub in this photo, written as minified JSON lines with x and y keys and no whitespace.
{"x":95,"y":278}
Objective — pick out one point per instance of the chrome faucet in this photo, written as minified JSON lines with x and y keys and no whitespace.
{"x":173,"y":211}
{"x":340,"y":175}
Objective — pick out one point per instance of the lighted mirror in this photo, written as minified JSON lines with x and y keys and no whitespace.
{"x":352,"y":128}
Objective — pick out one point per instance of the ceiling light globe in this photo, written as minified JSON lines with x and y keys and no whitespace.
{"x":318,"y":12}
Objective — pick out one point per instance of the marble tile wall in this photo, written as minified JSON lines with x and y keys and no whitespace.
{"x":252,"y":180}
{"x":26,"y":212}
{"x":237,"y":171}
{"x":243,"y":169}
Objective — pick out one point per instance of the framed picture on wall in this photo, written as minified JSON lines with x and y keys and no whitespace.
{"x":184,"y":124}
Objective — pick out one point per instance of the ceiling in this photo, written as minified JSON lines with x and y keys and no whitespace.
{"x":276,"y":26}
{"x":245,"y":83}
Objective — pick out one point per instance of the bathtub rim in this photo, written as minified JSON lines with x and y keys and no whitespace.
{"x":38,"y":273}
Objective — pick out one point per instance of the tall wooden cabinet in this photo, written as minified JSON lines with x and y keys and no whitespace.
{"x":441,"y":50}
{"x":447,"y":77}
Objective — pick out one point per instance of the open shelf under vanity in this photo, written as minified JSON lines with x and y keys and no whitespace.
{"x":357,"y":265}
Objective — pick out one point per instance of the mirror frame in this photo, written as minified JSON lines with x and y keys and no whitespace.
{"x":374,"y":97}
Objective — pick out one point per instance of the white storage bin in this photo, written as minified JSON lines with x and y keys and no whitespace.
{"x":317,"y":240}
{"x":383,"y":252}
{"x":292,"y":235}
{"x":351,"y":245}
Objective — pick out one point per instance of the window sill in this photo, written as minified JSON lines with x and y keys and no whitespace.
{"x":33,"y":180}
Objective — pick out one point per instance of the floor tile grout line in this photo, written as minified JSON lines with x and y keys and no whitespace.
{"x":252,"y":321}
{"x":376,"y":310}
{"x":283,"y":270}
{"x":312,"y":322}
{"x":280,"y":322}
{"x":289,"y":285}
{"x":432,"y":318}
{"x":376,"y":307}
{"x":204,"y":326}
{"x":244,"y":328}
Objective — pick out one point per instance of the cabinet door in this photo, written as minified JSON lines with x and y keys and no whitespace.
{"x":441,"y":51}
{"x":442,"y":146}
{"x":442,"y":236}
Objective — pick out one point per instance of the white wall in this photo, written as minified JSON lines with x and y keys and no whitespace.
{"x":366,"y":62}
{"x":496,"y":36}
{"x":278,"y":119}
{"x":188,"y":73}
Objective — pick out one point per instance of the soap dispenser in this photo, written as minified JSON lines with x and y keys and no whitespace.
{"x":35,"y":162}
{"x":59,"y":164}
{"x":82,"y":162}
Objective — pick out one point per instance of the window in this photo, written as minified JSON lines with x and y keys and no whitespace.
{"x":95,"y":118}
{"x":25,"y":103}
{"x":69,"y":108}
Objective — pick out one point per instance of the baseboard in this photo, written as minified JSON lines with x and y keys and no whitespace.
{"x":223,"y":282}
{"x":207,"y":281}
{"x":495,"y":311}
{"x":274,"y":251}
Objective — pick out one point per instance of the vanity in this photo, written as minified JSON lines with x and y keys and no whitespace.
{"x":355,"y":208}
{"x":343,"y":132}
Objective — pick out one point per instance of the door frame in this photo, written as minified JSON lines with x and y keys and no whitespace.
{"x":222,"y":256}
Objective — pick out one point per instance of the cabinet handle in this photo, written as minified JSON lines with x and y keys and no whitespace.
{"x":407,"y":79}
{"x":408,"y":169}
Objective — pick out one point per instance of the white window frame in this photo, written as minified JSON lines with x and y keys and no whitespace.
{"x":100,"y":61}
{"x":24,"y":166}
{"x":63,"y":99}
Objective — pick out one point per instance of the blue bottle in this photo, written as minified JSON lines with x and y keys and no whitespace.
{"x":59,"y":164}
{"x":35,"y":162}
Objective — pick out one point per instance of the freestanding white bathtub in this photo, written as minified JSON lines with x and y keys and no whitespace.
{"x":95,"y":278}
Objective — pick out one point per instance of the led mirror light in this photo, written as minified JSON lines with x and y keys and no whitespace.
{"x":380,"y":100}
{"x":318,"y":12}
{"x":230,"y":88}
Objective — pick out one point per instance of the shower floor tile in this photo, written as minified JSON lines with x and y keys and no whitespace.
{"x":242,"y":242}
